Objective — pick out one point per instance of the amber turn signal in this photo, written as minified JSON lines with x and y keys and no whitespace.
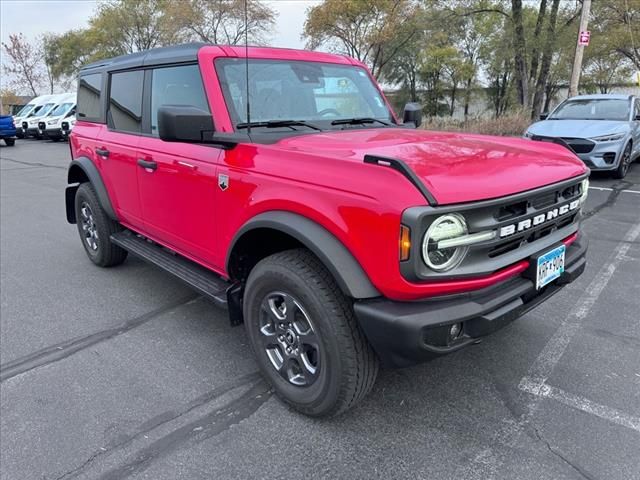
{"x":405,"y":242}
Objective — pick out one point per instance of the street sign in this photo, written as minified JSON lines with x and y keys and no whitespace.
{"x":583,"y":38}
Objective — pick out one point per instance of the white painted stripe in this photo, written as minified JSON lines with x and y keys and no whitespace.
{"x":553,"y":351}
{"x":607,"y":189}
{"x":488,"y":461}
{"x":580,"y":403}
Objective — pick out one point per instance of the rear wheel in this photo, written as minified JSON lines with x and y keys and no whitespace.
{"x":10,"y":142}
{"x":625,"y":163}
{"x":95,"y":229}
{"x":305,"y":336}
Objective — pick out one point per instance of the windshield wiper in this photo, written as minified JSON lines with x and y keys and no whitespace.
{"x":358,"y":121}
{"x":279,"y":123}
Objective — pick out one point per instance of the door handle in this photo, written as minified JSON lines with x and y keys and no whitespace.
{"x":188,"y":165}
{"x":147,"y":164}
{"x":103,"y":152}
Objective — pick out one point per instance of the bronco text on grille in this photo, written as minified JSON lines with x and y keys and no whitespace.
{"x":538,"y":219}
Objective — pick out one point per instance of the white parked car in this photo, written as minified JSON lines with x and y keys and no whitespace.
{"x":51,"y":127}
{"x":67,"y":126}
{"x":31,"y":125}
{"x":31,"y":109}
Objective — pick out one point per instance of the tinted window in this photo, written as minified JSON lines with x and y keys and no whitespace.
{"x":89,"y":90}
{"x":125,"y":101}
{"x":176,"y":86}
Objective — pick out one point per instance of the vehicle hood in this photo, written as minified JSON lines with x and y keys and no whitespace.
{"x":57,"y":119}
{"x":577,"y":128}
{"x":454,"y":167}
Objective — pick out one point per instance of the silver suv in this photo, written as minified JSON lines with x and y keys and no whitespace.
{"x":603,"y":130}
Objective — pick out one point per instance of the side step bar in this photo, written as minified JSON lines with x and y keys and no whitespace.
{"x":197,"y":277}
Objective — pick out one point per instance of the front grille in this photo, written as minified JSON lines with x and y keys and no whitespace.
{"x":525,"y":224}
{"x":579,"y":145}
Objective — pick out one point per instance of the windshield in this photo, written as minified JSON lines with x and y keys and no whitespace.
{"x":318,"y":93}
{"x":600,"y":109}
{"x":25,"y":110}
{"x":35,"y":111}
{"x":46,"y":108}
{"x":61,"y":109}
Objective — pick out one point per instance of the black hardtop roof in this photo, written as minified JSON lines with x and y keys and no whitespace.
{"x":187,"y":52}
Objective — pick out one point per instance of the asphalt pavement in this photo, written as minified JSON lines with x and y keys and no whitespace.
{"x":126,"y":373}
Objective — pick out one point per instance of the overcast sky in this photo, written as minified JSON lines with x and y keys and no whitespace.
{"x":34,"y":17}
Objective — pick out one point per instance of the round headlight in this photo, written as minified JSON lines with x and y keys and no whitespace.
{"x":444,"y":228}
{"x":585,"y":191}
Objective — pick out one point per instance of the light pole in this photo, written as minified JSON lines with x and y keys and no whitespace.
{"x":577,"y":59}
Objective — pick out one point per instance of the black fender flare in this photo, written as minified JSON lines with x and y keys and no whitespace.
{"x":350,"y":276}
{"x":74,"y":179}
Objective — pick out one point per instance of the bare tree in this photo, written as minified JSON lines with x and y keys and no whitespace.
{"x":24,"y":64}
{"x":223,"y":21}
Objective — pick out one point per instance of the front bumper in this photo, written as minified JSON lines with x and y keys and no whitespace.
{"x":53,"y":133}
{"x":604,"y":156}
{"x":406,"y":333}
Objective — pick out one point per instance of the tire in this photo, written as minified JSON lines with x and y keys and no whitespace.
{"x":95,"y":229}
{"x":345,"y":364}
{"x":10,"y":142}
{"x":55,"y":139}
{"x":625,"y":163}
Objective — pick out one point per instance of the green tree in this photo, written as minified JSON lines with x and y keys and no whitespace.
{"x":372,"y":31}
{"x":127,"y":26}
{"x":619,"y":20}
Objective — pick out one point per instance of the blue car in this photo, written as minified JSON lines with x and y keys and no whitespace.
{"x":603,"y":130}
{"x":7,"y":130}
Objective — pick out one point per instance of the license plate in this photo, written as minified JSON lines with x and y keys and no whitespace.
{"x":550,"y":266}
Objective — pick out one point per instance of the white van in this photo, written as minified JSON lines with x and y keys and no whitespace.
{"x":30,"y":126}
{"x":29,"y":110}
{"x":67,"y":125}
{"x":51,"y":127}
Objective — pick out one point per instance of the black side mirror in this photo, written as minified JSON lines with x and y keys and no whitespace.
{"x":544,"y":116}
{"x":412,"y":114}
{"x":186,"y":123}
{"x":183,"y":123}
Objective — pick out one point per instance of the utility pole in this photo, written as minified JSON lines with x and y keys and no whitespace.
{"x":577,"y":59}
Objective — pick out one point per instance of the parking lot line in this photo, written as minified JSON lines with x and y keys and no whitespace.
{"x":487,"y":462}
{"x":608,"y":189}
{"x":553,"y":351}
{"x":580,"y":403}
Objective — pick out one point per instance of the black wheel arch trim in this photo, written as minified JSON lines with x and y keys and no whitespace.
{"x":93,"y":175}
{"x":350,"y":276}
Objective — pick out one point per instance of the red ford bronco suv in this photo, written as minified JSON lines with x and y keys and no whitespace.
{"x":280,"y":184}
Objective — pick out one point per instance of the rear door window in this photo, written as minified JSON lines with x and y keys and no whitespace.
{"x":176,"y":86}
{"x":89,"y":91}
{"x":125,"y":101}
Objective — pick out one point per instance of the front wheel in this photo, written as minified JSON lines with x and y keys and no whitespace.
{"x":10,"y":142}
{"x":305,"y":336}
{"x":625,"y":163}
{"x":95,"y":229}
